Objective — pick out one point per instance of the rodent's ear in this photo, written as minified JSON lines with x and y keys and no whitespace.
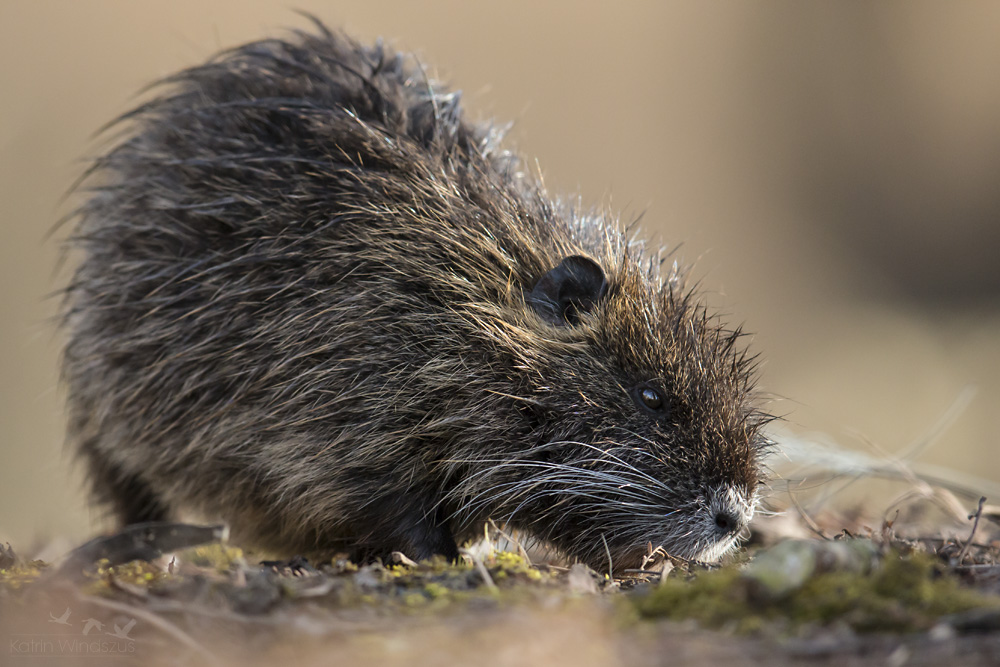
{"x":571,"y":288}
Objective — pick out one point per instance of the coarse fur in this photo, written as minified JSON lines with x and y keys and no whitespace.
{"x":308,"y":304}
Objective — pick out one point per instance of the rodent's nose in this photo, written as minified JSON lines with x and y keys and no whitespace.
{"x":728,"y":521}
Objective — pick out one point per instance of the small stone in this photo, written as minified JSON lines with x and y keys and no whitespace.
{"x":581,"y":579}
{"x":942,"y":632}
{"x":898,"y":657}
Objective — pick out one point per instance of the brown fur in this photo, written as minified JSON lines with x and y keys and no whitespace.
{"x":308,"y":305}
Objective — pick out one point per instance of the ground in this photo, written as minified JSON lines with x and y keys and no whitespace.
{"x":861,"y":597}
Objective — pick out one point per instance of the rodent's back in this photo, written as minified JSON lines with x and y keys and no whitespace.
{"x":315,"y":301}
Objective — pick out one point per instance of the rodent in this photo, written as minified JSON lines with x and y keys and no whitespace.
{"x":314,"y":301}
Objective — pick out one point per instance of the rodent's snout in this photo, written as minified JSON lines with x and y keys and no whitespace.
{"x":728,"y":522}
{"x":731,"y":510}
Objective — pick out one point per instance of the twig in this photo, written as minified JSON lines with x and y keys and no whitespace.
{"x":810,"y":523}
{"x":975,"y":525}
{"x":668,"y":567}
{"x":972,"y":567}
{"x":943,"y":541}
{"x":651,"y":555}
{"x":903,"y":460}
{"x":483,"y":572}
{"x":611,"y":573}
{"x":944,"y":499}
{"x":835,"y":462}
{"x":521,"y":549}
{"x":944,"y":422}
{"x":403,"y":559}
{"x":154,"y":620}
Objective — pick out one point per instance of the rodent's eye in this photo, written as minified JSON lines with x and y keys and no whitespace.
{"x":651,"y":399}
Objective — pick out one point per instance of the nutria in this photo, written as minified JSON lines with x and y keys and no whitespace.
{"x":316,"y":302}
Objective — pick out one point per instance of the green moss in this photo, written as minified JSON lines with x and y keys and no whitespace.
{"x":713,"y":598}
{"x":438,"y":585}
{"x":504,"y":564}
{"x":135,"y":573}
{"x":414,"y":600}
{"x":17,"y":576}
{"x":507,"y":559}
{"x":901,"y":594}
{"x":436,"y":590}
{"x":219,"y":557}
{"x":793,"y":584}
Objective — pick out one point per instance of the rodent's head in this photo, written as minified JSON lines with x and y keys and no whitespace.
{"x":641,"y":407}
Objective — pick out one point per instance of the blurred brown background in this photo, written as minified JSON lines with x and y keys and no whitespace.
{"x":832,"y":168}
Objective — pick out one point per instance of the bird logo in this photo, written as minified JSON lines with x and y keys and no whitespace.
{"x":122,"y":632}
{"x":90,"y":624}
{"x":62,"y":620}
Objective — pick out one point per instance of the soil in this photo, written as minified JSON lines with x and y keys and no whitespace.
{"x":861,"y":597}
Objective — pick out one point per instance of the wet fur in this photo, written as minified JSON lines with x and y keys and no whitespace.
{"x":302,"y":307}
